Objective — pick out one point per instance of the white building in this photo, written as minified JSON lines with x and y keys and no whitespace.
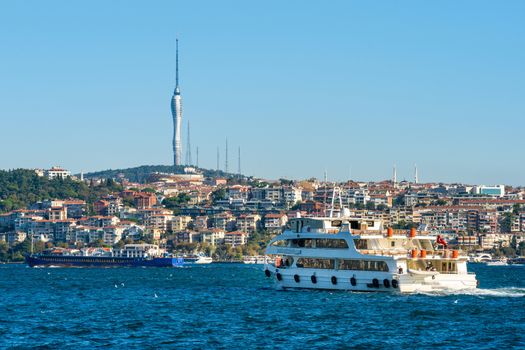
{"x":496,"y":191}
{"x":57,"y":172}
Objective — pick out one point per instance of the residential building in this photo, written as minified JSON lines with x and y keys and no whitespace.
{"x":275,"y":222}
{"x":213,"y":236}
{"x":236,"y":238}
{"x":224,"y":221}
{"x":180,"y":223}
{"x":143,"y":200}
{"x":249,"y":223}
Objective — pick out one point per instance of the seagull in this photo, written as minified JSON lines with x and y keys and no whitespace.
{"x":116,"y":286}
{"x":156,"y":296}
{"x":456,"y":301}
{"x":122,"y":284}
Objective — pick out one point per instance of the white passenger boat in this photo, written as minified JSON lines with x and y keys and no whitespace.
{"x":353,"y":254}
{"x":497,"y":262}
{"x":480,"y":257}
{"x":197,"y":259}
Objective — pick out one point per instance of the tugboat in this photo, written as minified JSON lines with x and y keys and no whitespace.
{"x":132,"y":255}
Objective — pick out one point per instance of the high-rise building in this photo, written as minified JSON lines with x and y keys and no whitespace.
{"x":176,"y":112}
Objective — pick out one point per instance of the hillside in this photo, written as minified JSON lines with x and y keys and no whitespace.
{"x":22,"y":187}
{"x":141,"y":173}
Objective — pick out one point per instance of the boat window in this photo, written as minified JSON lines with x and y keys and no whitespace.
{"x":280,"y":243}
{"x":302,"y":243}
{"x":354,"y":225}
{"x":331,"y":243}
{"x":426,"y":244}
{"x":336,"y":223}
{"x":312,"y":263}
{"x":361,"y":243}
{"x":365,"y":265}
{"x":288,"y":261}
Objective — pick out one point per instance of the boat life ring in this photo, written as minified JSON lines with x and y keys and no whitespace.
{"x":267,"y":273}
{"x":297,"y":278}
{"x":395,"y":284}
{"x":279,"y":276}
{"x":334,"y":280}
{"x":314,"y":279}
{"x":386,"y":283}
{"x":375,"y":283}
{"x":353,"y":281}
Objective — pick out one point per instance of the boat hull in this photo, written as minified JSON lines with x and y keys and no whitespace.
{"x":364,"y":281}
{"x":95,"y":261}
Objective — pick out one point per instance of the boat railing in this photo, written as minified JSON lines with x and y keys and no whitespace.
{"x":389,"y":252}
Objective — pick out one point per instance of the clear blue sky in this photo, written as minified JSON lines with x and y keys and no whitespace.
{"x":301,"y":86}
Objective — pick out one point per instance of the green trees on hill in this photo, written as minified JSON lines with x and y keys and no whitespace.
{"x":141,"y":174}
{"x":21,"y":187}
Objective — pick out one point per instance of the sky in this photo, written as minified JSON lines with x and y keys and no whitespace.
{"x":303,"y":87}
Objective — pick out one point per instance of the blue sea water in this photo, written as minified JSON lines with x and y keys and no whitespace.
{"x":229,"y":306}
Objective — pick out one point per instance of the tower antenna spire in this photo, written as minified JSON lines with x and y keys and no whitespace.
{"x":177,"y":62}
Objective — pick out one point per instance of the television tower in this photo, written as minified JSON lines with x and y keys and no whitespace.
{"x":176,"y":112}
{"x":416,"y":177}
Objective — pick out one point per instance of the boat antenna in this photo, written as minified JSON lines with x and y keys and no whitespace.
{"x":336,"y":192}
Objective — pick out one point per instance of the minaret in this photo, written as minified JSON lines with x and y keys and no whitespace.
{"x":416,"y":178}
{"x":239,"y":162}
{"x":188,"y":147}
{"x":176,"y":112}
{"x":217,"y":158}
{"x":197,"y":151}
{"x":394,"y":177}
{"x":226,"y":158}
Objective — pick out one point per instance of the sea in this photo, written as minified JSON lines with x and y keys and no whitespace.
{"x":234,"y":306}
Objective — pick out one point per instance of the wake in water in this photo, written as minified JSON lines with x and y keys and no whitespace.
{"x":507,"y":292}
